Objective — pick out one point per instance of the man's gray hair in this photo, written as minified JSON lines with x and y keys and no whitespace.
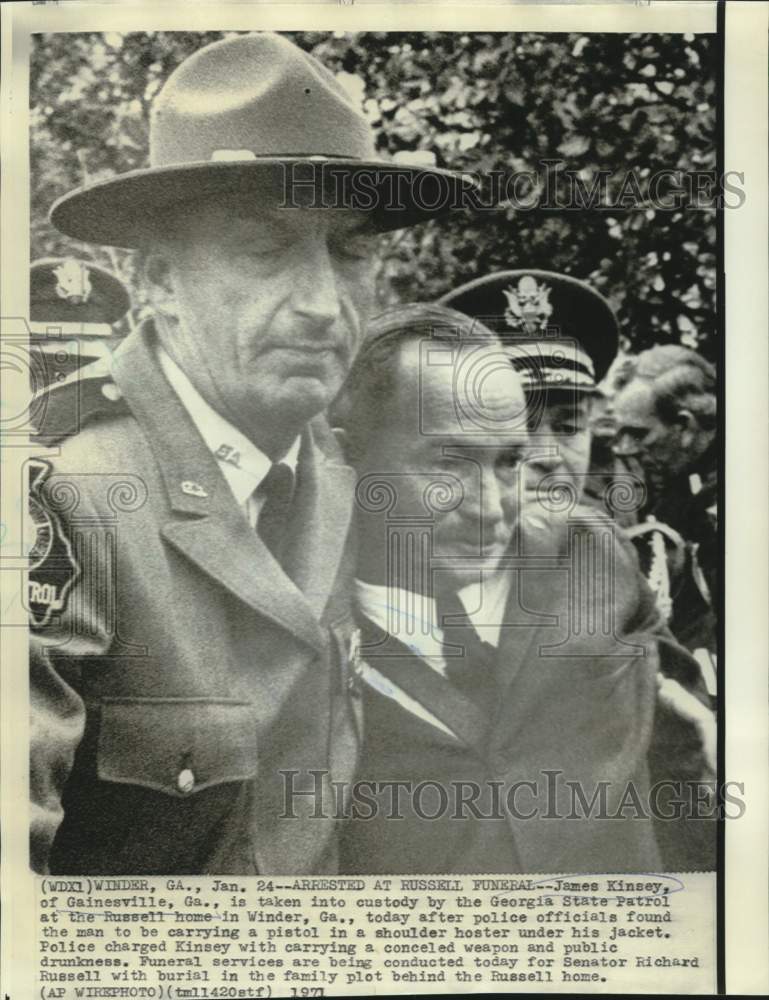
{"x":681,"y":379}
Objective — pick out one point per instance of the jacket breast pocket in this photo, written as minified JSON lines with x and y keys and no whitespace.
{"x":177,"y":746}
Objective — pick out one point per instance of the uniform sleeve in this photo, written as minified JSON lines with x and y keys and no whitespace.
{"x":57,"y":722}
{"x":67,"y":629}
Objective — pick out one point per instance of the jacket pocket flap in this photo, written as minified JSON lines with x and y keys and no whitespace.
{"x":176,"y":745}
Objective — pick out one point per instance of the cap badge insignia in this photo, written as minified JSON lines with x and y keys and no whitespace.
{"x":528,"y":305}
{"x":73,"y":282}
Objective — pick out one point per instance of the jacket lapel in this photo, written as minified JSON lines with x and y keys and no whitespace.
{"x":205,"y":523}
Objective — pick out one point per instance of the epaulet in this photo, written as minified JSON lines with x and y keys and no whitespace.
{"x":62,"y":410}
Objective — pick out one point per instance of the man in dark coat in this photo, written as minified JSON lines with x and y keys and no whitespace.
{"x":189,"y":588}
{"x":666,"y":416}
{"x":511,"y":665}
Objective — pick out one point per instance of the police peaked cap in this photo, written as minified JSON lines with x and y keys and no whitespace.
{"x":561,"y":332}
{"x":74,"y":297}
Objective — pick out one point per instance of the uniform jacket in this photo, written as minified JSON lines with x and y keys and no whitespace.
{"x":577,"y":703}
{"x":186,"y":669}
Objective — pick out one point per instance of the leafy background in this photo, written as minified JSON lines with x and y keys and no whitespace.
{"x":478,"y":102}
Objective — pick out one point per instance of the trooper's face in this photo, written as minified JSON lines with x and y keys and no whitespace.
{"x":267,"y":307}
{"x":559,"y":456}
{"x":451,"y":461}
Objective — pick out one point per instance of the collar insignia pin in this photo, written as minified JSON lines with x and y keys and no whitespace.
{"x":193,"y":489}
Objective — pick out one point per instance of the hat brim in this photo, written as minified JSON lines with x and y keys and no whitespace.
{"x":123,"y":211}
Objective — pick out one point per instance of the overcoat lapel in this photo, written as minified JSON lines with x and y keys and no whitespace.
{"x":424,"y":685}
{"x":529,"y":589}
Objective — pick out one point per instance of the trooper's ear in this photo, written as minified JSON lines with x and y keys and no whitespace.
{"x":156,"y":273}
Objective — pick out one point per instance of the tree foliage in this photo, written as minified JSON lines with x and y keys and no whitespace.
{"x":481,"y":102}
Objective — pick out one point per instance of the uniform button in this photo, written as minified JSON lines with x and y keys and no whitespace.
{"x":186,"y":781}
{"x":111,"y":392}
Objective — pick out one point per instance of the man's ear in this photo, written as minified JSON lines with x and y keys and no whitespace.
{"x":160,"y":288}
{"x":687,"y":425}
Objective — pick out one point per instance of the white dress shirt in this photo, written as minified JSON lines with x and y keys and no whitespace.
{"x":413,"y":620}
{"x":243,"y":464}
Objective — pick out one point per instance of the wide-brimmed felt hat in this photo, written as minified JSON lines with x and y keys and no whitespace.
{"x":254,"y":116}
{"x":561,"y":332}
{"x":73,"y":297}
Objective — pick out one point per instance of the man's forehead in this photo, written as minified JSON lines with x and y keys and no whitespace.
{"x":635,"y":399}
{"x":467,"y":389}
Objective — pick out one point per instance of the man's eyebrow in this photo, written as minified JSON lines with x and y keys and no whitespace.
{"x":246,"y":228}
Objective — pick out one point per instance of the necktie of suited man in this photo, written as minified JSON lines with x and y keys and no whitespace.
{"x":472,"y":668}
{"x":275,"y":491}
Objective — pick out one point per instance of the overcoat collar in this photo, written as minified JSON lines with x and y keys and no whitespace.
{"x":206,"y":524}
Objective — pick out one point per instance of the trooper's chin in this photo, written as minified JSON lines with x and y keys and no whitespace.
{"x":301,"y":395}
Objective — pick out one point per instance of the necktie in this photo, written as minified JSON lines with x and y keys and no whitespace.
{"x":275,"y":491}
{"x":472,"y":671}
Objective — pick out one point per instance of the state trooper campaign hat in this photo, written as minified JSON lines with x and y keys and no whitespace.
{"x":561,"y":333}
{"x":255,"y":116}
{"x":75,"y":298}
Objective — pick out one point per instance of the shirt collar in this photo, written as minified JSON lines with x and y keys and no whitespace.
{"x":412,"y":618}
{"x":243,"y":465}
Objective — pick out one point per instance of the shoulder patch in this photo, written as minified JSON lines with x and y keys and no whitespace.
{"x":53,"y":569}
{"x":61,"y":411}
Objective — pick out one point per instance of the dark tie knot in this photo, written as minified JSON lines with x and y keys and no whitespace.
{"x":469,"y":660}
{"x":449,"y":609}
{"x":275,"y":492}
{"x":277,"y":485}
